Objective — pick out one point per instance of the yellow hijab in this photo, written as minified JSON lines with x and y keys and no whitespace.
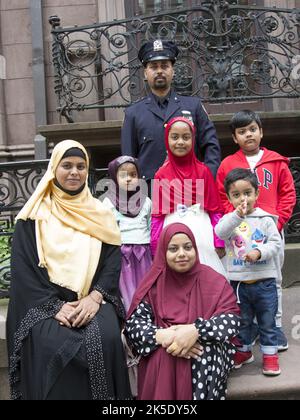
{"x":69,"y":229}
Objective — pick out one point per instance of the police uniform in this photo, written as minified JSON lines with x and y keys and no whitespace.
{"x":143,"y":128}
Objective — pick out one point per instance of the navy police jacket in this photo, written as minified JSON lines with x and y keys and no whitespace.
{"x":143,"y":132}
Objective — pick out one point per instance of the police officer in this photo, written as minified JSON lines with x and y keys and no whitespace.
{"x":143,"y":128}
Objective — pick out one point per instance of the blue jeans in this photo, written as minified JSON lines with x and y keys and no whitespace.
{"x":258,"y":299}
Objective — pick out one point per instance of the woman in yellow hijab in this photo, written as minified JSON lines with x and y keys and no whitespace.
{"x":64,"y":316}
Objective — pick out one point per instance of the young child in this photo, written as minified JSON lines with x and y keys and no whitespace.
{"x":253,"y":244}
{"x":186,"y":202}
{"x":276,"y":186}
{"x":132,"y":209}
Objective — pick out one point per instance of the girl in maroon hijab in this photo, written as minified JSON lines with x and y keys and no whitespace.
{"x":182,"y":321}
{"x":184,"y":191}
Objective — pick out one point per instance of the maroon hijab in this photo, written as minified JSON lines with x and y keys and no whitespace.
{"x":177,"y":299}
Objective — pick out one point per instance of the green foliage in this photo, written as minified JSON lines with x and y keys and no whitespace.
{"x":5,"y":253}
{"x":5,"y":241}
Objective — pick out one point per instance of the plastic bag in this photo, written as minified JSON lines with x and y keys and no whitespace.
{"x":132,"y":362}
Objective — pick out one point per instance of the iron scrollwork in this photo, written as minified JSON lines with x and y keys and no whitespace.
{"x":292,"y":230}
{"x":17,"y":183}
{"x":227,"y":53}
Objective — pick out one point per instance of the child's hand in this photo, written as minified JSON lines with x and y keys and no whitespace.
{"x":253,"y":256}
{"x":242,"y":209}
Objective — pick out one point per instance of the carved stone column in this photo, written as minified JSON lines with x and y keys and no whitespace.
{"x":108,"y":10}
{"x":3,"y":139}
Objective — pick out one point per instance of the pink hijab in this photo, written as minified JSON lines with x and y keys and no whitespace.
{"x":182,"y":169}
{"x":177,"y":299}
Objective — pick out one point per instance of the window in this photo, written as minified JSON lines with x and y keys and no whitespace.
{"x":145,"y":7}
{"x":155,"y":6}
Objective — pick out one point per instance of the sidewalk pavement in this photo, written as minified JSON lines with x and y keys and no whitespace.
{"x":249,"y":382}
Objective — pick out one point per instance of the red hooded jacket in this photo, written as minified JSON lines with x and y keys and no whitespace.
{"x":277,"y":191}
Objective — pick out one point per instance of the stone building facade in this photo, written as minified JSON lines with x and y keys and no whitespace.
{"x":27,"y":98}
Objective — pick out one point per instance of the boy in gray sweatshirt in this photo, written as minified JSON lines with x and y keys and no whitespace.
{"x":253,"y":246}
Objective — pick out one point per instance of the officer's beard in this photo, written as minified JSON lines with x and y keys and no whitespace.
{"x":161,"y":84}
{"x":162,"y":88}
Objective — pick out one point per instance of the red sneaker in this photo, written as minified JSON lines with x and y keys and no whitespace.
{"x":271,"y":365}
{"x":242,"y":358}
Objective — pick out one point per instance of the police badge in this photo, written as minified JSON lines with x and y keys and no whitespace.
{"x":158,"y":45}
{"x":188,"y":115}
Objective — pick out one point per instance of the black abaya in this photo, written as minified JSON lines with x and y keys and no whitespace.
{"x":50,"y":361}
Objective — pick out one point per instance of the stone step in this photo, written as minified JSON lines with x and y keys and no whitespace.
{"x":248,"y":383}
{"x":3,"y":355}
{"x":4,"y":389}
{"x":291,"y":268}
{"x":3,"y":312}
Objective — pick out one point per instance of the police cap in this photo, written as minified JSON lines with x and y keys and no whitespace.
{"x":158,"y":50}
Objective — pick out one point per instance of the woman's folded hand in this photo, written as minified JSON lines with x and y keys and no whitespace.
{"x":63,"y":315}
{"x":84,"y":310}
{"x":185,"y":338}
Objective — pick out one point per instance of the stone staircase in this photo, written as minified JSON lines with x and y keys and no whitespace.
{"x":4,"y":394}
{"x":247,"y":383}
{"x":291,"y":269}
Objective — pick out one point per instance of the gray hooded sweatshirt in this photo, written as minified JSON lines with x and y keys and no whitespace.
{"x":257,"y":230}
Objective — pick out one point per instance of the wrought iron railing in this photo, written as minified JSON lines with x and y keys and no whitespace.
{"x":292,"y":230}
{"x":228,"y":52}
{"x":18,"y":180}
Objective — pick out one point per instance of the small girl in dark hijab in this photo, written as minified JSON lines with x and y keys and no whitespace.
{"x":127,"y":198}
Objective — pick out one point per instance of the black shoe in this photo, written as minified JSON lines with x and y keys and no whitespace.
{"x":282,"y":340}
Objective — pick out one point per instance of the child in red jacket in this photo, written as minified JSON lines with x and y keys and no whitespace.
{"x":276,"y":185}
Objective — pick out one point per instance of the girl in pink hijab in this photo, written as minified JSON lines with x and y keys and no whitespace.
{"x":184,"y":191}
